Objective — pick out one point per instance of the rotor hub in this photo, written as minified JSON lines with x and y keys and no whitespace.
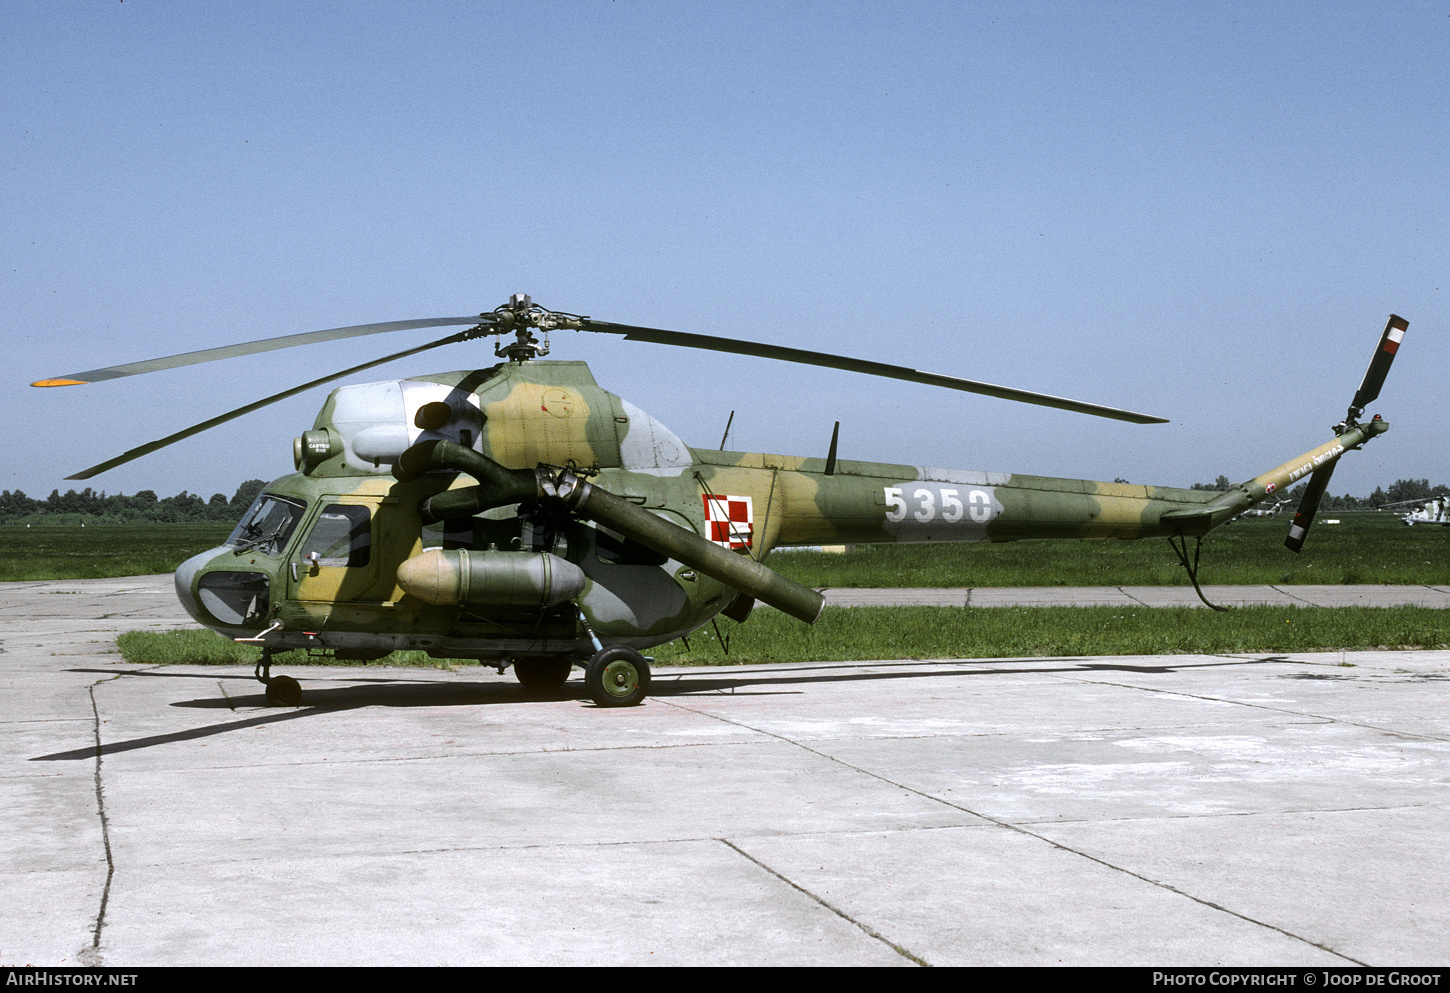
{"x":521,"y":315}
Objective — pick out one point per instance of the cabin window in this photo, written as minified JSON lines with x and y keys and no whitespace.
{"x":342,"y":537}
{"x":267,"y":525}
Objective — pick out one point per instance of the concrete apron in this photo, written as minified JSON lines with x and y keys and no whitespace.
{"x":1184,"y":810}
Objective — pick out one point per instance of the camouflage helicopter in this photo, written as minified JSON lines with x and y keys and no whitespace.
{"x":522,"y":515}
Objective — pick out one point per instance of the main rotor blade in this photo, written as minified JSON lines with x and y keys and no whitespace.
{"x":870,"y":368}
{"x":252,"y":347}
{"x":170,"y":439}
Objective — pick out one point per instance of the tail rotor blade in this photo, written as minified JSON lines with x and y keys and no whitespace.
{"x":1308,"y":507}
{"x":1379,"y":366}
{"x":1368,"y":392}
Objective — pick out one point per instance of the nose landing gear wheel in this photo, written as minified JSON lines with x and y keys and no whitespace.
{"x":617,"y":677}
{"x":284,"y":691}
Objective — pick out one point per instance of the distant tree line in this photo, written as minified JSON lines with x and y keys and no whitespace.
{"x":144,"y":506}
{"x":1399,"y":491}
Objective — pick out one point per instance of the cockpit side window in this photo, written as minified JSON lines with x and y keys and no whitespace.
{"x":267,"y":525}
{"x":342,"y":537}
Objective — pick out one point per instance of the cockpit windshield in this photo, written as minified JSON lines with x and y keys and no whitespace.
{"x":267,"y":525}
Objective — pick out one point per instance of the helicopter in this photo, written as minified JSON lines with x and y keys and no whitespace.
{"x":521,"y":515}
{"x":1434,"y":510}
{"x":1270,"y":511}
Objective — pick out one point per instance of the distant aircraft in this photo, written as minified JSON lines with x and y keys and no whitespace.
{"x":1433,"y":511}
{"x":1265,"y":511}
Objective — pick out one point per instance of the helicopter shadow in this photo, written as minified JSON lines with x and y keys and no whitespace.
{"x":949,"y":668}
{"x":379,"y":691}
{"x":357,"y":695}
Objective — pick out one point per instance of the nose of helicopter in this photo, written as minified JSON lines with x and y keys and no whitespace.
{"x":224,"y":599}
{"x":185,"y":580}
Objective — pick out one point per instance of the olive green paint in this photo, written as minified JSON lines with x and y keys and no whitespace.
{"x":523,"y":416}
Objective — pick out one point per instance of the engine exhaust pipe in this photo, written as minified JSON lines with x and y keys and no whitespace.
{"x":499,"y":487}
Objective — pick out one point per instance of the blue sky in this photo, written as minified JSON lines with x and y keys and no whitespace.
{"x":1205,"y":212}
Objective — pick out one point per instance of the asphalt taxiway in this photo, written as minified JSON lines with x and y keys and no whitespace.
{"x":1181,"y":810}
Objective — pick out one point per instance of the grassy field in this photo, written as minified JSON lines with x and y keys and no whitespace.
{"x":1362,"y":548}
{"x":1031,"y":632}
{"x":944,"y":632}
{"x":1370,"y":548}
{"x":97,"y":551}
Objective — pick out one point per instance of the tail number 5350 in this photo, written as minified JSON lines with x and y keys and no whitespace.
{"x":930,"y":503}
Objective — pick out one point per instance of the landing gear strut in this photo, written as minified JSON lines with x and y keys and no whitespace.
{"x":282,"y":691}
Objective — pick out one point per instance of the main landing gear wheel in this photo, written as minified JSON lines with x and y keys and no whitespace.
{"x":284,"y":691}
{"x":542,"y":674}
{"x":617,"y":677}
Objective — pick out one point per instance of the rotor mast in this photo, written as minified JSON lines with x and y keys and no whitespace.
{"x":520,"y":315}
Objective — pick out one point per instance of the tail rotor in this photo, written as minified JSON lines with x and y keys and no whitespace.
{"x":1368,"y":392}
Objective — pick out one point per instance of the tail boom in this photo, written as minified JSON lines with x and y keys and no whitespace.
{"x":1276,"y":481}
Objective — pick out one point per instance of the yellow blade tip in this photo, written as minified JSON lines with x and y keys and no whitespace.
{"x":59,"y":382}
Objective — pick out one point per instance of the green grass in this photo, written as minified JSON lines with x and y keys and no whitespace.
{"x":1010,"y":632}
{"x":197,"y":647}
{"x":98,"y":551}
{"x":860,"y":633}
{"x":1364,"y":548}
